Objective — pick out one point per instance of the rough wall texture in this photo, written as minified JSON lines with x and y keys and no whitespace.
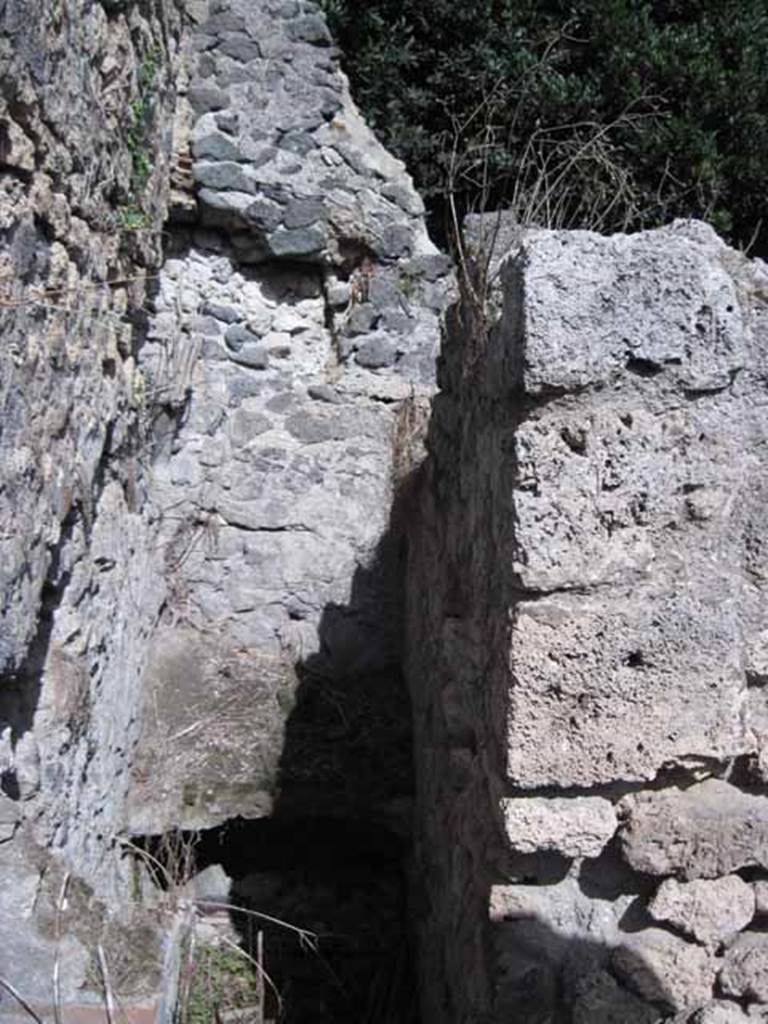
{"x":208,"y":455}
{"x":587,"y":635}
{"x":199,"y":443}
{"x":85,"y":93}
{"x":293,"y":340}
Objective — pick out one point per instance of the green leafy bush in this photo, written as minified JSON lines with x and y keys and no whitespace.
{"x":676,"y":91}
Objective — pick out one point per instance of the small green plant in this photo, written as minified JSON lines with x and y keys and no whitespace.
{"x":133,"y":216}
{"x":409,"y":283}
{"x":219,"y":979}
{"x":148,"y":70}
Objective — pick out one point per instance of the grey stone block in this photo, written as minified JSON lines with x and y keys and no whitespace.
{"x":204,"y":98}
{"x":573,"y":826}
{"x":665,"y":969}
{"x":247,"y":422}
{"x":302,"y":212}
{"x":311,"y":429}
{"x":745,"y":971}
{"x":338,"y":294}
{"x":252,"y":355}
{"x":239,"y":47}
{"x":310,"y":28}
{"x":711,"y":911}
{"x":223,"y":176}
{"x":376,"y":352}
{"x":324,"y":393}
{"x":215,"y":146}
{"x":708,"y":830}
{"x":237,"y":336}
{"x":299,"y":242}
{"x":265,"y":214}
{"x":226,"y":314}
{"x":205,"y":325}
{"x":395,"y":242}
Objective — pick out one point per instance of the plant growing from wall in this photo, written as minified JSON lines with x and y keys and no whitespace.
{"x":133,"y":214}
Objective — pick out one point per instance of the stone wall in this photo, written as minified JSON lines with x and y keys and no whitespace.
{"x":290,"y":358}
{"x":220,"y":314}
{"x":220,"y":317}
{"x":586,"y":633}
{"x":86,"y":98}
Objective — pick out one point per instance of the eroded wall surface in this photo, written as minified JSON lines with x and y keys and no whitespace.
{"x":294,"y":333}
{"x":587,"y":639}
{"x":220,"y":318}
{"x":86,"y":98}
{"x":220,"y":315}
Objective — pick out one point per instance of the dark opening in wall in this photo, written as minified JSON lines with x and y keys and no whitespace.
{"x":333,"y":860}
{"x":341,"y":881}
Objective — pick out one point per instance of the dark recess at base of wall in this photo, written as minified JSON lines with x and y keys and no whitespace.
{"x":333,"y":858}
{"x":341,"y":880}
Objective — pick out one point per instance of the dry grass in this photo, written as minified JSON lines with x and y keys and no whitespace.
{"x":410,"y":432}
{"x":571,"y":175}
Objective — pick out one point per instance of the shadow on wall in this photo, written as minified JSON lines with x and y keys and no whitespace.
{"x":334,"y":856}
{"x":20,"y":690}
{"x":554,"y":978}
{"x":348,"y":741}
{"x":336,"y":853}
{"x":632,"y":969}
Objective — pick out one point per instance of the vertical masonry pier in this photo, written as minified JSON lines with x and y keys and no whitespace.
{"x":586,"y":639}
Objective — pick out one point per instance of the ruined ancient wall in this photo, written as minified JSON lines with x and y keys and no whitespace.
{"x":295,"y":328}
{"x":586,"y":634}
{"x":86,"y":100}
{"x":220,"y":318}
{"x":220,"y":314}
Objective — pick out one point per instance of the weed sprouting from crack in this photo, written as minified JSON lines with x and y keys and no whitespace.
{"x":133,"y":216}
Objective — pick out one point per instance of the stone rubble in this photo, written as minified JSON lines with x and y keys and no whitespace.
{"x":85,"y":92}
{"x":708,"y":830}
{"x":294,"y":329}
{"x":665,"y":969}
{"x":577,"y":827}
{"x":745,"y":971}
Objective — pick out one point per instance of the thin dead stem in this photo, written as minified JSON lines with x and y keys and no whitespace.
{"x":564,"y":176}
{"x":4,"y":983}
{"x":180,"y":866}
{"x":60,"y":905}
{"x":256,"y":963}
{"x":109,"y":1003}
{"x":307,"y":939}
